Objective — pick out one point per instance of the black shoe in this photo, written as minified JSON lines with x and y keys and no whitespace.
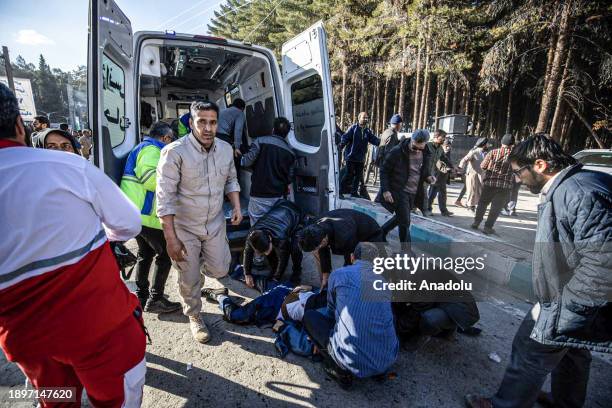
{"x":296,"y":278}
{"x":342,"y":377}
{"x":514,"y":214}
{"x":428,"y":213}
{"x":211,"y":293}
{"x":475,"y":225}
{"x":447,"y":213}
{"x":488,"y":230}
{"x":162,"y":305}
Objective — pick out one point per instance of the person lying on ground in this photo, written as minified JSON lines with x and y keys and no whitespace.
{"x":278,"y":301}
{"x":355,"y":336}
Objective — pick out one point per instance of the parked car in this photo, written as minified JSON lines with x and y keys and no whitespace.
{"x":596,"y":159}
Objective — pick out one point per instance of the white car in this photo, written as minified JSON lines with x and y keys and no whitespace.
{"x":596,"y":159}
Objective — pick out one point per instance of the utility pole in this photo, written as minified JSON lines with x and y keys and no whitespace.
{"x":8,"y":67}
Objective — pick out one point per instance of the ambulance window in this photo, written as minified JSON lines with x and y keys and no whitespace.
{"x":308,"y":110}
{"x":113,"y":97}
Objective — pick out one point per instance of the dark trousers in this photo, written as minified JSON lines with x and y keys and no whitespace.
{"x":353,"y":177}
{"x":436,"y":321}
{"x":462,"y":193}
{"x":296,"y":262}
{"x":404,"y":203}
{"x":151,"y":242}
{"x":319,"y":327}
{"x":514,"y":194}
{"x":529,"y":365}
{"x":440,"y":191}
{"x":495,"y":196}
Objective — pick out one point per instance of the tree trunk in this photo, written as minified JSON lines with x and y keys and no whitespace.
{"x":487,"y":125}
{"x":362,"y":101}
{"x":400,"y":108}
{"x":425,"y":95}
{"x":385,"y":99}
{"x":585,"y":123}
{"x":438,"y":99}
{"x":555,"y":127}
{"x":549,"y":93}
{"x":355,"y":100}
{"x":508,"y":128}
{"x":343,"y":96}
{"x":375,"y":105}
{"x":447,"y":94}
{"x":466,"y":100}
{"x":395,"y":98}
{"x":455,"y":101}
{"x":550,"y":56}
{"x":476,"y":114}
{"x":417,"y":84}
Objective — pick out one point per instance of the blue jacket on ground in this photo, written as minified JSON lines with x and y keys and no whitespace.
{"x":356,"y":141}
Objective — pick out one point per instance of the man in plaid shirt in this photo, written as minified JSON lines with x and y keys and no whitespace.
{"x":497,"y":184}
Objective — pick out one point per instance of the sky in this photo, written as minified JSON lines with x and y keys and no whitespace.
{"x":58,"y":28}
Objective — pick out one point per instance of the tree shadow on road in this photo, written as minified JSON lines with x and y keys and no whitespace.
{"x":200,"y":388}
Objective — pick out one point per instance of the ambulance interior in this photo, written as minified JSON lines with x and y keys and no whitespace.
{"x":174,"y":74}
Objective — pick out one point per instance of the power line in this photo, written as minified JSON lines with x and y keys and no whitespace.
{"x":198,"y":14}
{"x":262,"y":21}
{"x":163,"y":25}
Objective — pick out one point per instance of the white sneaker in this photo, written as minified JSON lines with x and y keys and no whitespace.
{"x":198,"y":329}
{"x":505,"y":212}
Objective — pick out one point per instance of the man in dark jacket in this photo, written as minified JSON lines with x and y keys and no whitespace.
{"x":389,"y":139}
{"x":571,"y":279}
{"x":272,"y":161}
{"x":435,"y":152}
{"x":338,"y":232}
{"x":273,"y":235}
{"x":402,"y":177}
{"x":442,"y":172}
{"x":356,"y":141}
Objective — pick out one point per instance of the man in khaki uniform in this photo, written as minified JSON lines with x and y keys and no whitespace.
{"x":193,"y":175}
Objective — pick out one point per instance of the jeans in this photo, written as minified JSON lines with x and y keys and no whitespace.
{"x":353,"y":176}
{"x":495,"y":196}
{"x":529,"y":365}
{"x":440,"y":191}
{"x":404,"y":202}
{"x":151,"y":242}
{"x":435,"y":321}
{"x":259,"y":206}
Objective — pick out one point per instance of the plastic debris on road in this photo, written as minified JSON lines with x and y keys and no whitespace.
{"x":495,"y":357}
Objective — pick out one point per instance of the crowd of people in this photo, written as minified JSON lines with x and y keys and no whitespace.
{"x":58,"y":265}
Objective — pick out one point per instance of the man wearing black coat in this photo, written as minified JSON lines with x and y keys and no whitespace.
{"x":338,"y":232}
{"x":402,"y":177}
{"x":572,"y":279}
{"x":273,"y":235}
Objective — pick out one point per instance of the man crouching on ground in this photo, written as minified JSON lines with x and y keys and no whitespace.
{"x":193,"y":174}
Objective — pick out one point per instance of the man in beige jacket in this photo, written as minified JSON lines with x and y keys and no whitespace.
{"x":193,"y":175}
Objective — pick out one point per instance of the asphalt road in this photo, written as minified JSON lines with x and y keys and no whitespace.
{"x":240,"y":367}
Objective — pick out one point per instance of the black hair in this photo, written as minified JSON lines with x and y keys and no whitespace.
{"x":203,"y":106}
{"x":310,"y":237}
{"x":239,"y":103}
{"x":541,"y":147}
{"x":259,"y":240}
{"x":282,"y":126}
{"x":64,"y":127}
{"x":9,"y":112}
{"x":159,"y":130}
{"x":43,"y":119}
{"x":366,"y":251}
{"x":439,"y":132}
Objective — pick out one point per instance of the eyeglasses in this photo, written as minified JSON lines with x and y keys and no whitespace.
{"x":67,"y":147}
{"x":518,"y":171}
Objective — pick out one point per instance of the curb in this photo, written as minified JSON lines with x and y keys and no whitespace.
{"x":509,"y":265}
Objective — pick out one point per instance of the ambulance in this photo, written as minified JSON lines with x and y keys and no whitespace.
{"x":136,"y":79}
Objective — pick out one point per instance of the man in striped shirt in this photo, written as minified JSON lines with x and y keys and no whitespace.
{"x":497,"y":185}
{"x":355,"y":336}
